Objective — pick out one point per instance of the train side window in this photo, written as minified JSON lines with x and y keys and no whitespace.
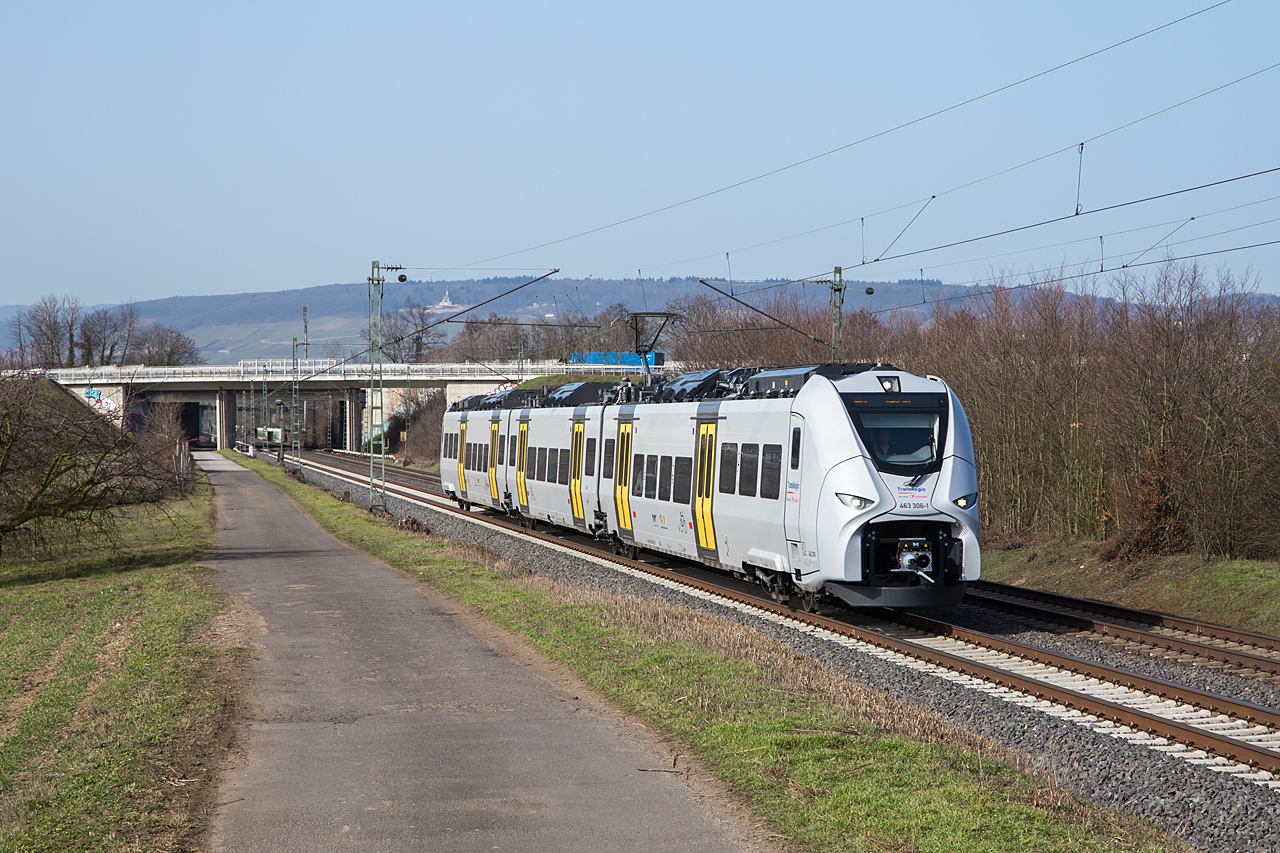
{"x":637,"y":474}
{"x":664,"y":479}
{"x":607,"y":473}
{"x":484,"y":457}
{"x":542,"y":465}
{"x":795,"y":448}
{"x":514,"y":453}
{"x":451,"y":447}
{"x":771,"y":471}
{"x":683,"y":479}
{"x":466,"y":462}
{"x":651,"y":477}
{"x":728,"y":467}
{"x":589,"y":459}
{"x":502,"y":449}
{"x":564,"y":466}
{"x":531,"y":463}
{"x":553,"y":464}
{"x":750,"y":466}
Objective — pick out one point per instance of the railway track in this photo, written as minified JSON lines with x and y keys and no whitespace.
{"x":1225,"y":734}
{"x":1243,"y":653}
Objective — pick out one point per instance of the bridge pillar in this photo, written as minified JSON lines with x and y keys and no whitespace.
{"x":225,"y":420}
{"x":354,"y":418}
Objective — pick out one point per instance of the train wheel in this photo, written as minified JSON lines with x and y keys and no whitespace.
{"x":804,"y":600}
{"x":633,"y":552}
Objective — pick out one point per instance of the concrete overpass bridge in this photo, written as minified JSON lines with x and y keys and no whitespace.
{"x":223,"y":404}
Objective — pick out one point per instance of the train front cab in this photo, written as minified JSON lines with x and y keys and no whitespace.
{"x":883,"y":533}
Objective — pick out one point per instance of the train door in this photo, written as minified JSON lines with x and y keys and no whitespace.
{"x":622,"y":478}
{"x":791,"y":475}
{"x":704,"y":486}
{"x":796,"y":545}
{"x":462,"y":457}
{"x":522,"y":458}
{"x":494,"y":426}
{"x":575,"y":470}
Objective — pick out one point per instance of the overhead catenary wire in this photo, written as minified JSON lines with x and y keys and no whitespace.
{"x":814,"y":338}
{"x":1158,"y":242}
{"x":848,"y":145}
{"x":1081,"y":275}
{"x":1104,"y":209}
{"x":862,"y":218}
{"x":422,"y":329}
{"x":776,"y":285}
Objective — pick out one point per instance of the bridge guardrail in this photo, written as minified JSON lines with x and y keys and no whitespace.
{"x":326,"y":368}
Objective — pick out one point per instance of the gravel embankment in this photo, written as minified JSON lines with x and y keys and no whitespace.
{"x":1210,"y":810}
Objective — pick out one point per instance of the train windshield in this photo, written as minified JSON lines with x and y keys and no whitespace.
{"x":903,"y":435}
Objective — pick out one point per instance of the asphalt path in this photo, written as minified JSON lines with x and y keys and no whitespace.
{"x":382,"y":717}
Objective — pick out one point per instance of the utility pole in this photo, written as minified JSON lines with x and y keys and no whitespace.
{"x":306,"y":353}
{"x":378,"y":461}
{"x":295,"y":432}
{"x":837,"y":315}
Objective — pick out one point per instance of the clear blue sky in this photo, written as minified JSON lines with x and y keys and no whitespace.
{"x":152,"y":149}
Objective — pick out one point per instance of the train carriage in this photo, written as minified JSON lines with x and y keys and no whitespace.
{"x":853,"y":481}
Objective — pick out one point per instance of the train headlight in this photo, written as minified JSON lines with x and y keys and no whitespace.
{"x":854,"y":501}
{"x":967,"y":501}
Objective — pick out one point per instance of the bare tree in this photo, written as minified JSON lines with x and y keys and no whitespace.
{"x":64,"y":468}
{"x":165,"y":346}
{"x":405,"y":338}
{"x":46,"y":331}
{"x":102,"y":336}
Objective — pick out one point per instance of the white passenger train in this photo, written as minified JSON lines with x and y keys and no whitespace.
{"x":851,"y":480}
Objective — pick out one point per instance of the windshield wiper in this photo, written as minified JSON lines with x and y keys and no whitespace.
{"x":915,"y":481}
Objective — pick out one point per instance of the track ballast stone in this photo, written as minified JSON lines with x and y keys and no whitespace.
{"x":1211,"y":810}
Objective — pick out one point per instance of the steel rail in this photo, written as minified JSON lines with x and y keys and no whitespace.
{"x":1203,"y":651}
{"x":1163,"y":620}
{"x":1174,"y":731}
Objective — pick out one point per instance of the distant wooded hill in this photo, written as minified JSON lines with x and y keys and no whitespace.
{"x":232,"y":327}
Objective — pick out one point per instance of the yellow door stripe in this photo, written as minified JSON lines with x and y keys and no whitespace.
{"x":622,"y":479}
{"x":493,"y":460}
{"x":462,"y":459}
{"x":520,"y":460}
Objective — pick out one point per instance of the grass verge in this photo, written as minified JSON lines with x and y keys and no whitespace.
{"x":824,"y":760}
{"x":1237,"y":593}
{"x":108,"y":716}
